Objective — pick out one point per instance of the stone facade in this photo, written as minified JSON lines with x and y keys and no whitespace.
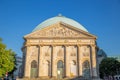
{"x":59,"y":51}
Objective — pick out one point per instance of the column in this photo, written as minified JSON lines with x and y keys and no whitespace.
{"x":94,"y":62}
{"x":64,"y":61}
{"x":77,"y":60}
{"x":67,"y":62}
{"x":51,"y":71}
{"x":53,"y":61}
{"x":27,"y":65}
{"x":41,"y":68}
{"x":39,"y":60}
{"x":80,"y":60}
{"x":91,"y":67}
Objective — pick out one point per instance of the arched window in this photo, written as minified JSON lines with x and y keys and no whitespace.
{"x":34,"y":64}
{"x":86,"y":69}
{"x":33,"y":69}
{"x":60,"y":64}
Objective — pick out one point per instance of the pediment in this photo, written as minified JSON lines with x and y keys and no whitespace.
{"x":60,"y":30}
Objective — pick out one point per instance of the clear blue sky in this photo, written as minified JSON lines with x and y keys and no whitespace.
{"x":99,"y":17}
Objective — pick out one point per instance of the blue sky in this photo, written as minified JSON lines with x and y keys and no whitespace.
{"x":99,"y":17}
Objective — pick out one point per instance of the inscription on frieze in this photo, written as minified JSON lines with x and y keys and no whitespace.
{"x":84,"y":41}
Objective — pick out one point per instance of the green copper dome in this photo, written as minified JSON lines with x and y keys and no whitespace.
{"x":59,"y":18}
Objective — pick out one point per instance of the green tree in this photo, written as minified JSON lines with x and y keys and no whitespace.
{"x":109,"y":67}
{"x":7,"y":60}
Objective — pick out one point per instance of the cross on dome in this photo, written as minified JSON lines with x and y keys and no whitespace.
{"x":59,"y":14}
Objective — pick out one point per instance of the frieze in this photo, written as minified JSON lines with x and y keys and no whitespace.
{"x":34,"y":41}
{"x":85,"y":41}
{"x":62,"y":41}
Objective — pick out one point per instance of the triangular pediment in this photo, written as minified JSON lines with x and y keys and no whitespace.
{"x":60,"y":30}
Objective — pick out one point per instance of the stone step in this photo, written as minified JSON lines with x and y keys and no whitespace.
{"x":53,"y":79}
{"x":56,"y":79}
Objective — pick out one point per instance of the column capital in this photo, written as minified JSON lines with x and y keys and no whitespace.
{"x":27,"y":45}
{"x":78,"y":45}
{"x":66,"y":45}
{"x":93,"y":46}
{"x":52,"y":45}
{"x":40,"y":45}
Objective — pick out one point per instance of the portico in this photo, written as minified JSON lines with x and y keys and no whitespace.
{"x":59,"y":50}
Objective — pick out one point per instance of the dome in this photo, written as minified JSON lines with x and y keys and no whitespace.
{"x":59,"y":18}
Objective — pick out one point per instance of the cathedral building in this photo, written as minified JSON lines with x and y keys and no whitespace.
{"x":59,"y":47}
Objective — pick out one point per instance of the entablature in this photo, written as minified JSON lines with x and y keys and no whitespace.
{"x":60,"y":42}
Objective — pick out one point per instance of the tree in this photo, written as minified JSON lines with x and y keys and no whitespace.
{"x":109,"y":67}
{"x":7,"y":60}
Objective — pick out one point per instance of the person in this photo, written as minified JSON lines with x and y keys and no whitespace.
{"x":6,"y":78}
{"x":116,"y":78}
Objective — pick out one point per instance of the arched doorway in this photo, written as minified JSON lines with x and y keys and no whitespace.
{"x":86,"y":69}
{"x":60,"y":69}
{"x":33,"y":69}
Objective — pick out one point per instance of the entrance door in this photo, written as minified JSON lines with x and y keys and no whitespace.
{"x":33,"y":69}
{"x":86,"y":69}
{"x":60,"y":69}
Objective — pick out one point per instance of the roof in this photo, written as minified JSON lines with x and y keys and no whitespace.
{"x":59,"y":18}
